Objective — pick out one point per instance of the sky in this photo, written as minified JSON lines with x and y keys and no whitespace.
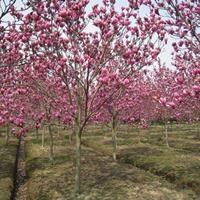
{"x":165,"y":56}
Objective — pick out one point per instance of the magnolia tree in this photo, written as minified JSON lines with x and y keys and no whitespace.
{"x":166,"y":94}
{"x":133,"y":104}
{"x":13,"y":109}
{"x":116,"y":104}
{"x":10,"y":60}
{"x":87,"y":58}
{"x":48,"y":102}
{"x":57,"y":41}
{"x":182,"y":20}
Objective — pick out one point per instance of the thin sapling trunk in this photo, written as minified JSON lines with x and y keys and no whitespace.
{"x":43,"y":135}
{"x":166,"y":135}
{"x":114,"y":136}
{"x":78,"y":132}
{"x":51,"y":152}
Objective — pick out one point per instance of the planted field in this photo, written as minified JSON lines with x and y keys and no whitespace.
{"x":178,"y":164}
{"x":145,"y":168}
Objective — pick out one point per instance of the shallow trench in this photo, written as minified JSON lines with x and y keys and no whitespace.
{"x":19,"y":191}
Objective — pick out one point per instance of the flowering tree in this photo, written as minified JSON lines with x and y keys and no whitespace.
{"x":52,"y":48}
{"x":166,"y":94}
{"x":55,"y":36}
{"x":182,"y":23}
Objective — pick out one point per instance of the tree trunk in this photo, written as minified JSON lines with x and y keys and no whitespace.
{"x":114,"y":136}
{"x":78,"y":163}
{"x":51,"y":153}
{"x":43,"y":132}
{"x":78,"y":132}
{"x":7,"y":134}
{"x":166,"y":135}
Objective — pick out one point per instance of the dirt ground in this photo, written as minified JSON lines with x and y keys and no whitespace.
{"x":101,"y":178}
{"x":145,"y":168}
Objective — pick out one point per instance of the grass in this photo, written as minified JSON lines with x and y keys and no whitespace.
{"x":171,"y":165}
{"x":179,"y":164}
{"x":146,"y":168}
{"x":133,"y":177}
{"x":7,"y":163}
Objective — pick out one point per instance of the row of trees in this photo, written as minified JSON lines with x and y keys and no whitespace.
{"x":61,"y":63}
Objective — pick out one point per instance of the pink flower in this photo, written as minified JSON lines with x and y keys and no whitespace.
{"x":104,"y":71}
{"x":163,"y":100}
{"x":126,"y":81}
{"x":196,"y":88}
{"x":63,"y":13}
{"x":186,"y":92}
{"x":171,"y":105}
{"x":176,"y":95}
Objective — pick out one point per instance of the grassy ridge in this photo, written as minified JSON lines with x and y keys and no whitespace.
{"x":180,"y":164}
